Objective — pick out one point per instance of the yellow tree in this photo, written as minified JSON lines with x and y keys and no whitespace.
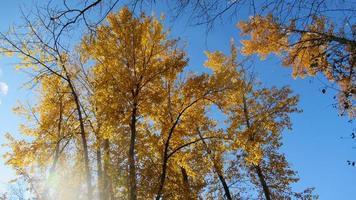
{"x":309,"y":49}
{"x":258,"y":123}
{"x":131,"y":56}
{"x":51,"y":128}
{"x":187,"y":109}
{"x":225,"y":71}
{"x":179,"y":119}
{"x":185,"y":100}
{"x":257,"y":117}
{"x":147,"y":123}
{"x":39,"y":50}
{"x":137,"y":78}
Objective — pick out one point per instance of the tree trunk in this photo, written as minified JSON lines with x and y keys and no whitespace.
{"x":59,"y":134}
{"x":84,"y":140}
{"x":263,"y":182}
{"x":100,"y":174}
{"x":165,"y":163}
{"x":86,"y":154}
{"x":216,"y":169}
{"x":132,"y":164}
{"x":162,"y":179}
{"x":225,"y":186}
{"x":258,"y":169}
{"x":57,"y":151}
{"x":106,"y":180}
{"x":186,"y":186}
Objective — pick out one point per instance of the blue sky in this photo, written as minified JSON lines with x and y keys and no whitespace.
{"x":314,"y":147}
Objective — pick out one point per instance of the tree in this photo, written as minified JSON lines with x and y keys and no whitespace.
{"x":131,"y":70}
{"x":316,"y":48}
{"x":41,"y":52}
{"x":257,"y":118}
{"x":53,"y":128}
{"x":128,"y":102}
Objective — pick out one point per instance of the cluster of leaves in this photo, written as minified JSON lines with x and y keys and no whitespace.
{"x":126,"y":119}
{"x":318,"y":48}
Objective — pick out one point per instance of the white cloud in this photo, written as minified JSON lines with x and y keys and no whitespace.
{"x":4,"y":88}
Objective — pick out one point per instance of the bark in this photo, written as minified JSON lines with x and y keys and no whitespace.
{"x":217,"y":169}
{"x":59,"y":134}
{"x":86,"y":154}
{"x":57,"y":150}
{"x":258,"y":169}
{"x":225,"y":186}
{"x":263,"y":182}
{"x":106,"y":180}
{"x":166,"y":154}
{"x":186,"y":186}
{"x":165,"y":160}
{"x":100,"y":174}
{"x":132,"y":164}
{"x":55,"y":160}
{"x":185,"y":179}
{"x":83,"y":137}
{"x":163,"y":178}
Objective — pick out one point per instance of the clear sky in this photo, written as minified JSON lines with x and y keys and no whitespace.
{"x":313,"y":147}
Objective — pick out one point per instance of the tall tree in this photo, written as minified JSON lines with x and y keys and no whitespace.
{"x":40,"y":52}
{"x":131,"y":55}
{"x":52,"y":126}
{"x":257,"y":118}
{"x":148,"y":126}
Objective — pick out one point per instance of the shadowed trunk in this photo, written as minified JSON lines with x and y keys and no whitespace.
{"x":263,"y":182}
{"x":185,"y":180}
{"x":164,"y":170}
{"x":166,"y":154}
{"x":216,"y":169}
{"x":132,"y":164}
{"x":100,"y":174}
{"x":106,"y":181}
{"x":258,"y":169}
{"x":83,"y":136}
{"x":57,"y":150}
{"x":187,"y":192}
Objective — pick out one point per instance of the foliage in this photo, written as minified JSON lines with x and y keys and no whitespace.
{"x":317,"y":48}
{"x":128,"y":119}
